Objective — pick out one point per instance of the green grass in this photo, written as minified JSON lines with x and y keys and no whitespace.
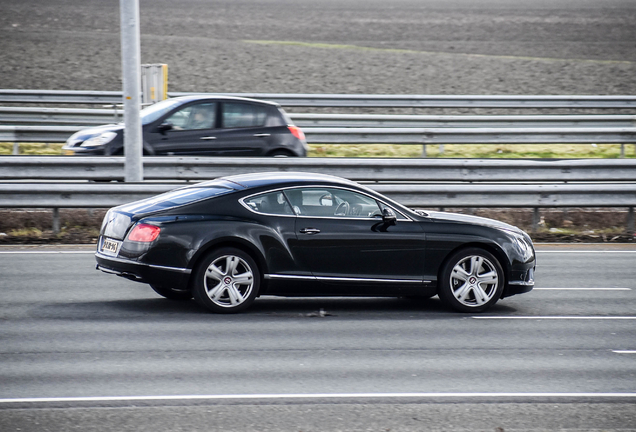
{"x":481,"y":151}
{"x":549,"y":151}
{"x":40,"y":149}
{"x":26,"y":232}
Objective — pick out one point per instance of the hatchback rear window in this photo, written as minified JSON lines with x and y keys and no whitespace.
{"x":240,"y":115}
{"x":175,"y":198}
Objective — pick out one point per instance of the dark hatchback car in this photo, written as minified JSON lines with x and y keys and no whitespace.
{"x":202,"y":126}
{"x":227,"y":241}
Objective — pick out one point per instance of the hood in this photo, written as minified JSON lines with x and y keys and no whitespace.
{"x":476,"y":220}
{"x":84,"y":134}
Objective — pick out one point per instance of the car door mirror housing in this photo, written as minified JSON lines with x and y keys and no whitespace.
{"x":388,"y":216}
{"x":165,"y":126}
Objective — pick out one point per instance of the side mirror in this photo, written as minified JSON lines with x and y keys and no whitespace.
{"x":388,"y":216}
{"x":164,"y":127}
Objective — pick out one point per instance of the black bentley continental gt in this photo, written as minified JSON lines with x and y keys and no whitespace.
{"x":227,"y":241}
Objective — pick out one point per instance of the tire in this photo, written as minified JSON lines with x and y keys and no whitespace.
{"x":281,"y":153}
{"x":226,"y":281}
{"x":172,"y":293}
{"x":471,"y":281}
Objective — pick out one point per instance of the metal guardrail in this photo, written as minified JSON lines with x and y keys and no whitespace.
{"x":57,"y":134}
{"x":95,"y":195}
{"x":470,"y":135}
{"x":37,"y":116}
{"x":46,"y":134}
{"x":347,"y":100}
{"x":462,"y":121}
{"x":359,"y":169}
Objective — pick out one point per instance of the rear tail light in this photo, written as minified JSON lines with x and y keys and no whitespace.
{"x":295,"y":130}
{"x":144,"y":233}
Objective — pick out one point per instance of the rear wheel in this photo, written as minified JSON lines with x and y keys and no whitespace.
{"x":172,"y":293}
{"x":226,"y":281}
{"x":281,"y":153}
{"x":471,"y":281}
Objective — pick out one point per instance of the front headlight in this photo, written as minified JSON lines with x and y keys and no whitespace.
{"x":525,"y":249}
{"x":99,"y":140}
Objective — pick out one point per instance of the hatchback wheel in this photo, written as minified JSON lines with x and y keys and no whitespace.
{"x":172,"y":293}
{"x":472,"y":280}
{"x":226,"y":281}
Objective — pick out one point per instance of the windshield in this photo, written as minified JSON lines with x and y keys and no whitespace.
{"x":153,"y":112}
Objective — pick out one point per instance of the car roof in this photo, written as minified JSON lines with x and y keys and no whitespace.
{"x":221,"y":97}
{"x":269,"y":179}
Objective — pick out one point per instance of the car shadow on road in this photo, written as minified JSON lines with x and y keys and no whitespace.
{"x":267,"y":307}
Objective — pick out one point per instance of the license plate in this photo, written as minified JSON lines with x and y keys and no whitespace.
{"x":69,"y":152}
{"x":110,"y":247}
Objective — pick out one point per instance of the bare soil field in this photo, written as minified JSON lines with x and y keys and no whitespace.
{"x":330,"y":46}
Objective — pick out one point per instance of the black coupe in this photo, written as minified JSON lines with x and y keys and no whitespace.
{"x":227,"y":241}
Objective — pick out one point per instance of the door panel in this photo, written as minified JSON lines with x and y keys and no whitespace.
{"x":360,"y":249}
{"x":341,"y":235}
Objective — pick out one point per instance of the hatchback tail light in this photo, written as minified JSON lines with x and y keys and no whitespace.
{"x":297,"y":132}
{"x":144,"y":233}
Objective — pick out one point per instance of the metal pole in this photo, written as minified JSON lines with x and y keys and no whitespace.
{"x":56,"y":220}
{"x":536,"y":219}
{"x":131,"y":74}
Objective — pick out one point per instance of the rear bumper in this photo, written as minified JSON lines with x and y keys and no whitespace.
{"x":172,"y":277}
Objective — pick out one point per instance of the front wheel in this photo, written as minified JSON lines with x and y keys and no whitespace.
{"x":226,"y":281}
{"x":472,"y":280}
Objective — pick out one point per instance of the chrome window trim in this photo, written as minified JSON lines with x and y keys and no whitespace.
{"x":127,"y":261}
{"x":242,"y":202}
{"x":344,"y":279}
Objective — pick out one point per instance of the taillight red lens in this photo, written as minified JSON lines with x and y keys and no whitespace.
{"x":295,"y":130}
{"x":144,"y":233}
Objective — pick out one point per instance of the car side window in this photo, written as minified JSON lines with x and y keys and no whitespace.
{"x":273,"y":203}
{"x":242,"y":115}
{"x":333,"y":202}
{"x":194,"y":117}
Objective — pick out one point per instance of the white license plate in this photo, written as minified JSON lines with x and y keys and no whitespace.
{"x":110,"y":247}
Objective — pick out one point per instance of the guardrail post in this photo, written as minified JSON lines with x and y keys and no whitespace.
{"x":16,"y":148}
{"x":56,"y":220}
{"x":424,"y":150}
{"x":536,"y":218}
{"x":630,"y":221}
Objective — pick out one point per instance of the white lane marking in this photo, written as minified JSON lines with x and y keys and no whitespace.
{"x":315,"y":396}
{"x":587,"y":251}
{"x":558,"y":317}
{"x":624,"y":351}
{"x":582,"y":289}
{"x":92,"y":251}
{"x":48,"y":252}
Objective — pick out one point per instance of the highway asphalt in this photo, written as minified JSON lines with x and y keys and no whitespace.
{"x":89,"y":350}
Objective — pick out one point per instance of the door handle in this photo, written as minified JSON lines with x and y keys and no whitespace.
{"x":262,"y":135}
{"x":309,"y":230}
{"x":208,"y":138}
